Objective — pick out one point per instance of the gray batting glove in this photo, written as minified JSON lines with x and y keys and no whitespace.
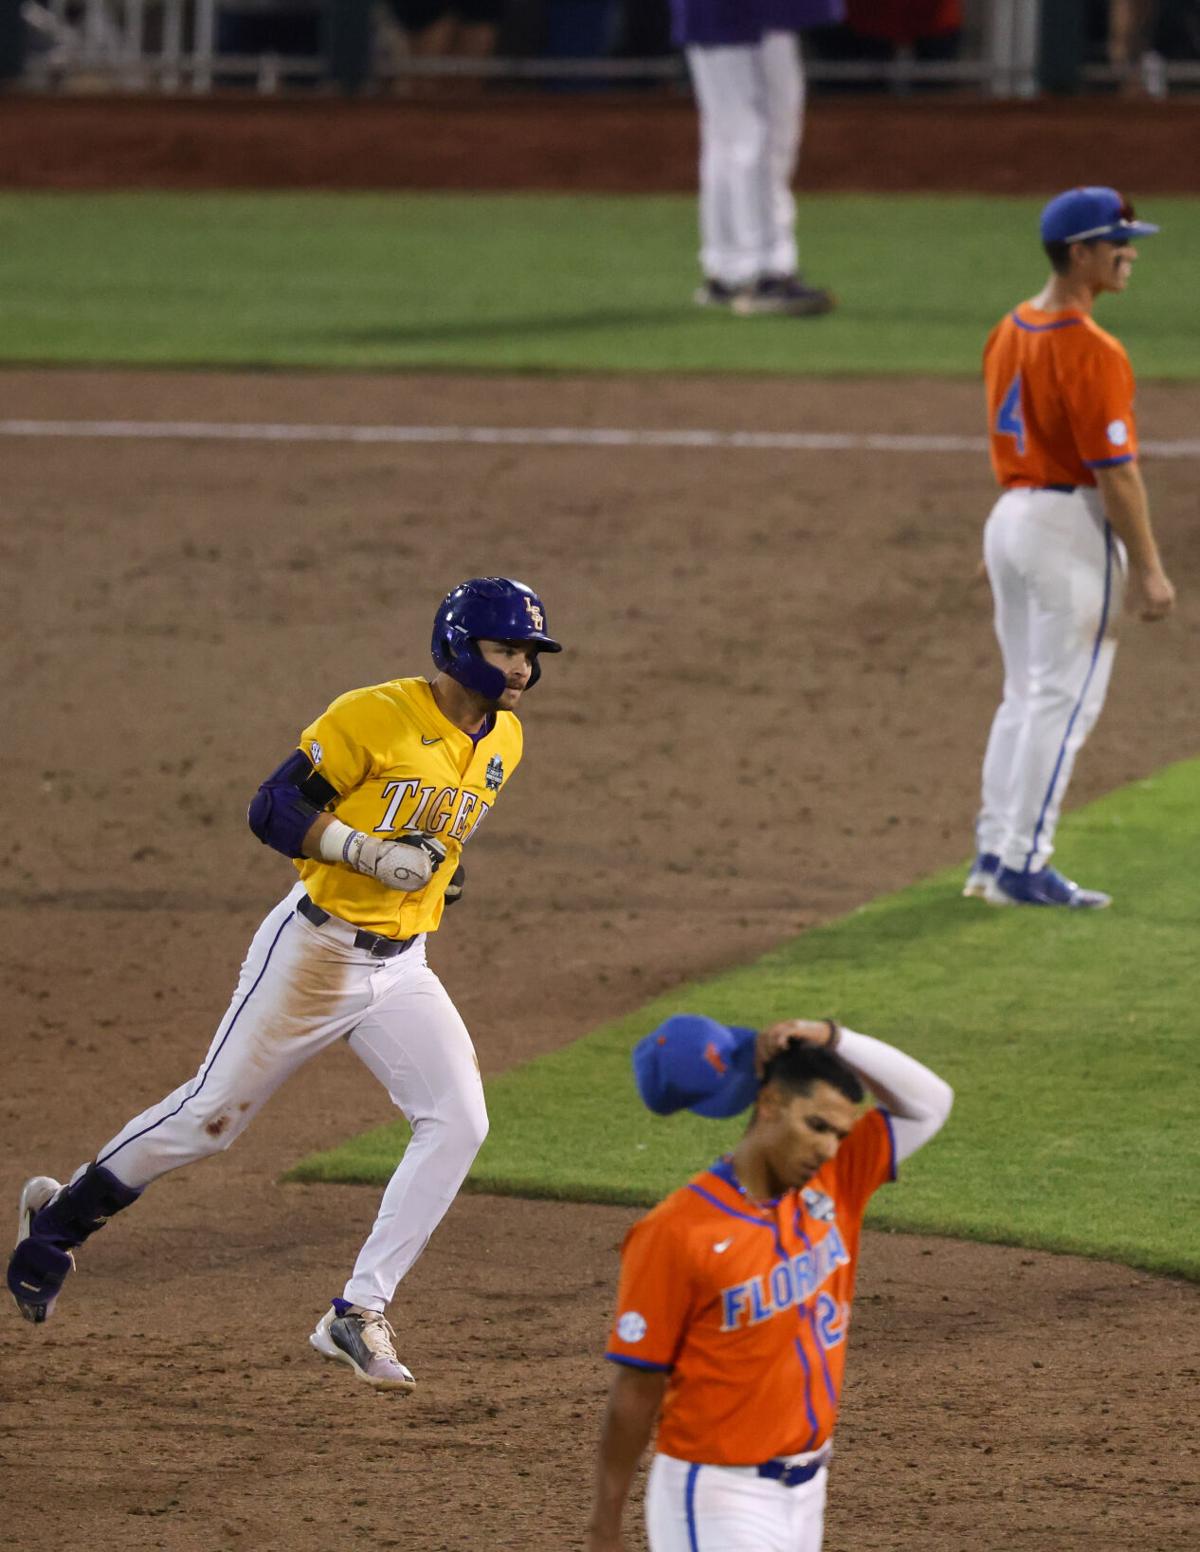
{"x":407,"y":863}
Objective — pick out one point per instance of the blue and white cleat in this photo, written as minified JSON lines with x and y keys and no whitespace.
{"x":1010,"y":886}
{"x":983,"y":870}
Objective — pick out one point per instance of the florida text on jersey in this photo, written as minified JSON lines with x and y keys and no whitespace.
{"x":746,"y":1305}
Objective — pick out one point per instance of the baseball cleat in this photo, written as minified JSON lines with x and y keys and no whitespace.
{"x":785,"y":296}
{"x":36,"y":1270}
{"x":1010,"y":886}
{"x":363,"y":1339}
{"x":35,"y":1193}
{"x":983,"y":869}
{"x":715,"y":293}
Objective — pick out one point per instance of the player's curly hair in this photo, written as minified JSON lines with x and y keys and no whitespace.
{"x":799,"y":1065}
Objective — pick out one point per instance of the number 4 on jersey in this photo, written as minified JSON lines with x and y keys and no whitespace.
{"x":1008,"y":416}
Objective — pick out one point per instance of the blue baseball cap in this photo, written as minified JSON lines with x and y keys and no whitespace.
{"x":692,"y":1062}
{"x":1092,"y":214}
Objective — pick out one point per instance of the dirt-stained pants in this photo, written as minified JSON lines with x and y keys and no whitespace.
{"x":301,"y":988}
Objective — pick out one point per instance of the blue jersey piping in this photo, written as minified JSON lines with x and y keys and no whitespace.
{"x":893,"y":1161}
{"x":763,"y":1223}
{"x":817,"y":1343}
{"x":1044,"y":328}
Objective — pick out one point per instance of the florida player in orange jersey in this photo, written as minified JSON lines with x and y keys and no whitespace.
{"x":1073,"y":519}
{"x":734,"y":1303}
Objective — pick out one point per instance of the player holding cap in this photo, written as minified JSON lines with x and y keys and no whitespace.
{"x":734,"y":1304}
{"x":1073,"y":515}
{"x":375,"y":807}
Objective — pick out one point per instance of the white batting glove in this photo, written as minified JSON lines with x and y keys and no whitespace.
{"x":406,"y":863}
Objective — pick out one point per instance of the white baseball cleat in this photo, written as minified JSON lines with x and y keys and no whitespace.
{"x":35,"y":1193}
{"x":363,"y":1339}
{"x":36,"y":1270}
{"x":983,"y":871}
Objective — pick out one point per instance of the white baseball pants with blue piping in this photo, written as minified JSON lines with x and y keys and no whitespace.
{"x":692,"y":1508}
{"x":750,"y":98}
{"x":301,"y":988}
{"x":1058,"y":579}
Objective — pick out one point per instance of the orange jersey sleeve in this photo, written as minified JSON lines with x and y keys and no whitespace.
{"x":865,"y":1161}
{"x":1059,"y":399}
{"x":654,"y":1297}
{"x":746,"y":1305}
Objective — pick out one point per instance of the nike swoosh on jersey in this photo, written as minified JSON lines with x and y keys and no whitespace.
{"x":425,"y":740}
{"x":722,"y":1245}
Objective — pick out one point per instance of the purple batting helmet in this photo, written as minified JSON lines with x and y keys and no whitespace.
{"x":488,"y":609}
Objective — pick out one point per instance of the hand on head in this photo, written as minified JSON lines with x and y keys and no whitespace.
{"x":771,"y":1041}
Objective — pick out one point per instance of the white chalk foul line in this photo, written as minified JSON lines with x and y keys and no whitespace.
{"x":524,"y":436}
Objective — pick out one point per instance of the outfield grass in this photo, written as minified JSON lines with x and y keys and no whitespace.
{"x":532,"y":283}
{"x":1070,"y":1040}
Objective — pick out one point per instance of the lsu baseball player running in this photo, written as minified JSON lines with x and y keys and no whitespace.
{"x":374,"y":806}
{"x":1072,"y":520}
{"x":733,"y":1310}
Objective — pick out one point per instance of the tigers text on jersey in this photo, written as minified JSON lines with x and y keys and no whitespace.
{"x":399,"y":764}
{"x":747,"y":1305}
{"x":1060,"y":398}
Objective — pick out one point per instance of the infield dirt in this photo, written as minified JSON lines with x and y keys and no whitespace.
{"x":782,"y":652}
{"x":777,"y":659}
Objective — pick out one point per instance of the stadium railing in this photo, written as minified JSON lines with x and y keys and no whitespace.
{"x":172,"y":46}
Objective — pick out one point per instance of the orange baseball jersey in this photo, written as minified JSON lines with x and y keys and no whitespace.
{"x":747,"y":1306}
{"x":1059,"y":396}
{"x":399,"y":764}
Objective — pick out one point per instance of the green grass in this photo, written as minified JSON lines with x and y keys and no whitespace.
{"x":532,"y":283}
{"x":1070,"y":1040}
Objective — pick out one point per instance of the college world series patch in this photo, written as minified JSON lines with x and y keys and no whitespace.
{"x":820,"y":1206}
{"x":494,"y":774}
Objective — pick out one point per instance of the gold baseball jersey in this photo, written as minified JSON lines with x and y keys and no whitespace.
{"x":398,"y":764}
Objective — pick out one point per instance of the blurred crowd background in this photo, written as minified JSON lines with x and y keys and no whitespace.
{"x":431,"y":47}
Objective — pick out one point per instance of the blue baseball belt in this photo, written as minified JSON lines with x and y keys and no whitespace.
{"x":792,"y":1476}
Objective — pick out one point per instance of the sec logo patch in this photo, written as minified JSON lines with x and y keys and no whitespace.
{"x":1118,"y":433}
{"x":631,"y":1327}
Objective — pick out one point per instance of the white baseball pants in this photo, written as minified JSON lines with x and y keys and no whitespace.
{"x":692,"y":1508}
{"x":301,"y":988}
{"x":1058,"y":576}
{"x":751,"y":103}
